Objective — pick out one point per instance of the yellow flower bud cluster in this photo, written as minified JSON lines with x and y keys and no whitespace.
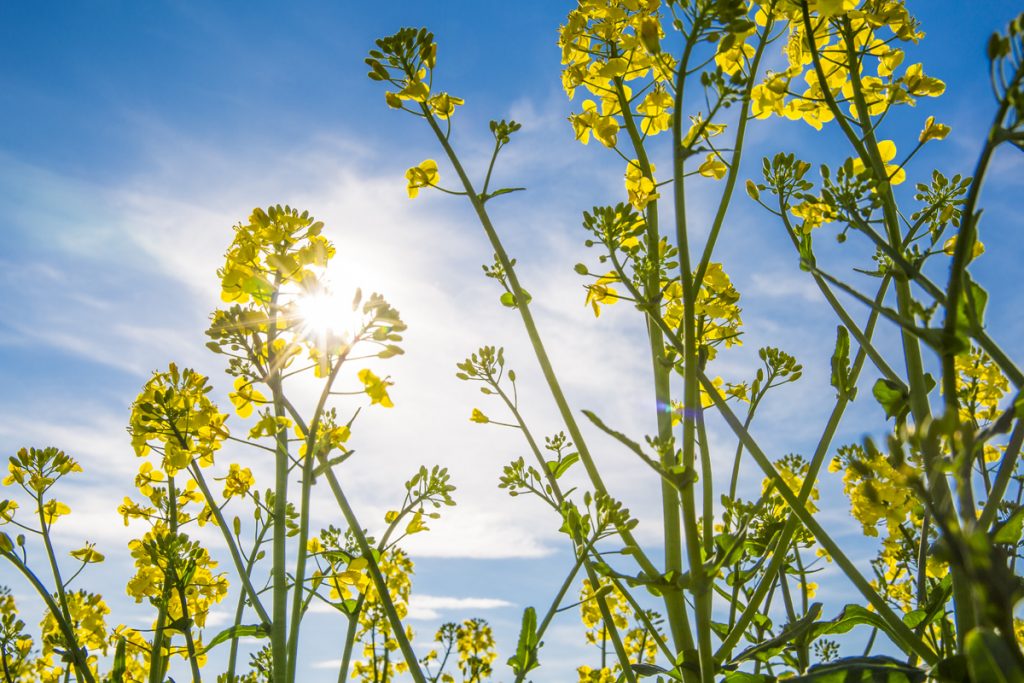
{"x":846,"y":35}
{"x":606,"y":44}
{"x":174,"y":416}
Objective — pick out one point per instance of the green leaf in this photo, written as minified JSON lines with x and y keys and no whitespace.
{"x":1010,"y":530}
{"x":504,"y":190}
{"x":120,"y":661}
{"x":525,"y":657}
{"x":863,"y":670}
{"x":971,"y":307}
{"x":745,"y":677}
{"x":892,"y":397}
{"x":645,"y":670}
{"x":852,"y":615}
{"x":841,"y":375}
{"x":769,"y":648}
{"x":989,"y":660}
{"x":560,"y":467}
{"x":807,"y":261}
{"x":237,"y":631}
{"x":914,"y":618}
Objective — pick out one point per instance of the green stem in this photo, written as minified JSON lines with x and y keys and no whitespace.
{"x":814,"y":467}
{"x":307,"y":487}
{"x":606,"y":614}
{"x":554,"y":609}
{"x":236,"y":556}
{"x":1002,"y":482}
{"x":250,"y":562}
{"x":187,"y":630}
{"x":675,"y":606}
{"x":350,"y":640}
{"x":737,"y":156}
{"x":157,"y":662}
{"x":962,"y":254}
{"x":691,"y":397}
{"x":279,"y":623}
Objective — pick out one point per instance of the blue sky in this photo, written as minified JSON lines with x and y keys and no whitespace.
{"x":135,"y":134}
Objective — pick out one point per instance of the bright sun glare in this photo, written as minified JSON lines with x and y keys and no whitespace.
{"x":327,"y":313}
{"x":322,"y":313}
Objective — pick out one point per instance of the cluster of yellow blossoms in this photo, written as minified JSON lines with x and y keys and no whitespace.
{"x":638,"y":643}
{"x":606,"y":45}
{"x":845,"y":34}
{"x":375,"y":630}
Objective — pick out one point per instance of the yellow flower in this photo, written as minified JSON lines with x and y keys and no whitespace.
{"x":416,"y":525}
{"x":443,"y":105}
{"x":887,"y":152}
{"x":920,"y":85}
{"x":424,"y":175}
{"x":376,"y":388}
{"x":88,"y":554}
{"x":244,"y":396}
{"x":54,"y":509}
{"x":769,"y":97}
{"x":415,"y":90}
{"x":601,"y":293}
{"x":733,"y":60}
{"x":479,"y":417}
{"x":699,"y":128}
{"x":656,"y":109}
{"x":713,"y":167}
{"x":639,"y":187}
{"x":238,"y":482}
{"x":604,"y":126}
{"x":831,"y":8}
{"x":813,"y":213}
{"x":949,"y":247}
{"x":933,"y":131}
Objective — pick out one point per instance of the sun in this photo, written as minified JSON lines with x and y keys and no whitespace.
{"x":321,"y":313}
{"x":327,"y":313}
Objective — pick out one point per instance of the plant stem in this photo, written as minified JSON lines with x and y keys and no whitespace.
{"x":279,"y":623}
{"x":350,"y":639}
{"x":307,"y":487}
{"x":236,"y":556}
{"x":675,"y":606}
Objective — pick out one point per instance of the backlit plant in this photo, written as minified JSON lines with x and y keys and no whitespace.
{"x":728,"y":591}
